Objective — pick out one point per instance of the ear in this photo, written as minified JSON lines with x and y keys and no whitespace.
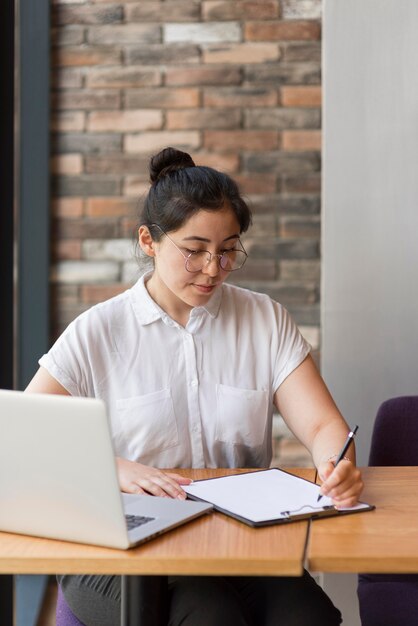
{"x":146,"y":241}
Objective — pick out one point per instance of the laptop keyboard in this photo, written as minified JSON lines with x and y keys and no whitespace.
{"x":133,"y":521}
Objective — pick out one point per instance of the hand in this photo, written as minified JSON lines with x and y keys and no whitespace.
{"x":143,"y":479}
{"x":342,"y":483}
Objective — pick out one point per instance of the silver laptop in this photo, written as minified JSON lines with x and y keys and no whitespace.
{"x":58,"y":476}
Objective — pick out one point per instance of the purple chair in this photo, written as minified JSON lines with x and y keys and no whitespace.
{"x":392,"y":599}
{"x":64,"y":615}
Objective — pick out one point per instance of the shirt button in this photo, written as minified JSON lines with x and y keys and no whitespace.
{"x":194,"y":382}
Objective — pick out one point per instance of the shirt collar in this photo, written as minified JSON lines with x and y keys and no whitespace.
{"x":148,"y":311}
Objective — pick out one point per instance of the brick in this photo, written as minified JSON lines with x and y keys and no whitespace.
{"x":82,"y":229}
{"x":302,"y":183}
{"x":85,"y":272}
{"x":70,"y":164}
{"x":129,"y":227}
{"x":70,"y":36}
{"x":301,"y":140}
{"x":135,"y":186}
{"x":68,"y":249}
{"x":92,"y":294}
{"x":301,"y":51}
{"x":115,"y":163}
{"x":306,"y":9}
{"x":224,"y":162}
{"x":162,"y":97}
{"x":209,"y":32}
{"x":66,"y":78}
{"x":150,"y":142}
{"x":203,"y":118}
{"x":239,"y":97}
{"x":108,"y":14}
{"x":108,"y":249}
{"x":264,"y":224}
{"x":123,"y":77}
{"x":162,"y":54}
{"x":68,"y":121}
{"x":283,"y":118}
{"x":263,"y":202}
{"x":243,"y":10}
{"x":249,"y":53}
{"x":71,"y":1}
{"x":203,"y":76}
{"x":168,"y":11}
{"x":110,"y":207}
{"x":261,"y":269}
{"x":299,"y":204}
{"x":67,"y":207}
{"x":225,"y":140}
{"x":282,"y":31}
{"x":125,"y":34}
{"x":284,"y":74}
{"x":73,"y":56}
{"x":124,"y":121}
{"x":261,"y":183}
{"x":285,"y":204}
{"x":299,"y":228}
{"x":85,"y":143}
{"x":282,"y":162}
{"x":85,"y":99}
{"x":86,"y":185}
{"x":301,"y":96}
{"x":283,"y":249}
{"x":308,"y":315}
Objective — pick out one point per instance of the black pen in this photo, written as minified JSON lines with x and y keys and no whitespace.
{"x":347,"y":444}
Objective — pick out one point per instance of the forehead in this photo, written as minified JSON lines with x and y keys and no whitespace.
{"x":211,"y":225}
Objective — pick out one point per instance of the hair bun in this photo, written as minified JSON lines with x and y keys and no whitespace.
{"x":167,"y":161}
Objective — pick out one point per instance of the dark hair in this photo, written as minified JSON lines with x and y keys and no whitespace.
{"x":180,"y":189}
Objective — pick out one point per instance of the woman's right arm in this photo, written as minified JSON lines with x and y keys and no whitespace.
{"x":133,"y":477}
{"x":43,"y":382}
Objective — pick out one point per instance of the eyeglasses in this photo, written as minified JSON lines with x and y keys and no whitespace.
{"x":229,"y":260}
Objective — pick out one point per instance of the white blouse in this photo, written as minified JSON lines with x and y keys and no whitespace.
{"x":199,"y":396}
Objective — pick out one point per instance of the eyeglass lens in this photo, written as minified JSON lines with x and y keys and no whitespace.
{"x":229,"y":261}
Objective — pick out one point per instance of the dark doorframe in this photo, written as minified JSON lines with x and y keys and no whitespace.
{"x":32,"y":227}
{"x":24,"y":209}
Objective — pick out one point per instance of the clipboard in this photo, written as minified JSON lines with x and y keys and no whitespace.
{"x":266,"y":497}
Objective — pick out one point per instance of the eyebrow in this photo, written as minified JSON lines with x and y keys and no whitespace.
{"x":196,"y":238}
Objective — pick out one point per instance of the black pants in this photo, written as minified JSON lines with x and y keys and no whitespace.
{"x":211,"y":601}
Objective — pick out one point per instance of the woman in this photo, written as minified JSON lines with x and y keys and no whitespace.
{"x":191,"y":369}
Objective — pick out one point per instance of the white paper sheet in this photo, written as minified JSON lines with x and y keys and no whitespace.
{"x":263,"y":495}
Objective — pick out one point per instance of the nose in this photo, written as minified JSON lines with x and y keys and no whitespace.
{"x":213,"y":266}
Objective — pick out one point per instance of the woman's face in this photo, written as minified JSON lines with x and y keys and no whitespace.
{"x":174,"y":288}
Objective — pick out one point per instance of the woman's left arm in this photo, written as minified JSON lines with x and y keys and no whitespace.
{"x":308,"y":409}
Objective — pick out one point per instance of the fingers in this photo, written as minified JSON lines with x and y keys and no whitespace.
{"x":344,"y":484}
{"x":142,"y":479}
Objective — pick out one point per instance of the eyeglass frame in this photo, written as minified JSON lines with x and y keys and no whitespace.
{"x":211,"y":255}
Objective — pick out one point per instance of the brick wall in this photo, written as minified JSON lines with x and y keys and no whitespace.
{"x":235,"y":83}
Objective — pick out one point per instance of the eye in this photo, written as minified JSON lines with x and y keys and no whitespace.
{"x":188,"y":251}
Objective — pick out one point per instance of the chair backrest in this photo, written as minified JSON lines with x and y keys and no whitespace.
{"x":392,"y":598}
{"x":395,"y":433}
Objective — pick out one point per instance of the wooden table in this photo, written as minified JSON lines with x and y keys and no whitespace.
{"x":213,"y":544}
{"x":381,"y":541}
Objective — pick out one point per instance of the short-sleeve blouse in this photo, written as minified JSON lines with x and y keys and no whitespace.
{"x":194,"y":396}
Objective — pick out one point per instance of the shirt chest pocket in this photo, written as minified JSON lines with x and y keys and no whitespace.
{"x":148,"y":423}
{"x":241,"y":415}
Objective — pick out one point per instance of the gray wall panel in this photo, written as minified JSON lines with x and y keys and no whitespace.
{"x":370,"y":215}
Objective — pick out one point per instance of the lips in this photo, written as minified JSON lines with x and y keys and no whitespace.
{"x":204,"y":288}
